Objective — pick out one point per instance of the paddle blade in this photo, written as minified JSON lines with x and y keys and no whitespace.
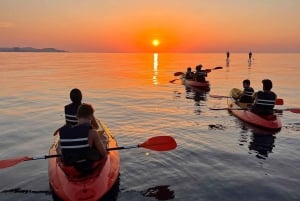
{"x":11,"y":162}
{"x":172,"y":81}
{"x":279,"y":101}
{"x":178,"y":73}
{"x":160,"y":143}
{"x":295,"y":110}
{"x":218,"y":96}
{"x":218,"y":67}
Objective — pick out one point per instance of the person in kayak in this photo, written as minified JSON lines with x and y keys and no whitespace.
{"x":264,"y":101}
{"x":81,"y":144}
{"x":247,"y":95}
{"x":200,"y":74}
{"x":72,"y":108}
{"x":189,"y":74}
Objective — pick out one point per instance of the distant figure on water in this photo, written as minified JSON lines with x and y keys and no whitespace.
{"x":227,"y":55}
{"x":264,"y":101}
{"x":200,"y":74}
{"x":189,"y":74}
{"x":250,"y":56}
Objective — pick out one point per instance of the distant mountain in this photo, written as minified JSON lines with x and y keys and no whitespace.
{"x":28,"y":49}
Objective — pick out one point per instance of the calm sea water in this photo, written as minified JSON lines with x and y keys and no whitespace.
{"x":218,"y":157}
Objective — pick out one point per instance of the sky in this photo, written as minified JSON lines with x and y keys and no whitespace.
{"x":132,"y":25}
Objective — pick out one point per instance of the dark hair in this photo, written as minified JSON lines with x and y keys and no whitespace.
{"x":267,"y":84}
{"x":199,"y":66}
{"x":76,"y":96}
{"x":85,"y":110}
{"x":189,"y":68}
{"x":246,"y":82}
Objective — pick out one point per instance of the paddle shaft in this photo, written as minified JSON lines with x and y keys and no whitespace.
{"x":125,"y":147}
{"x":44,"y":157}
{"x":59,"y":155}
{"x":207,"y":70}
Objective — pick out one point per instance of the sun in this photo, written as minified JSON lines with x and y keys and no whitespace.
{"x":155,"y":42}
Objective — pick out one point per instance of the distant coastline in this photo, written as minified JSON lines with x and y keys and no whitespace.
{"x":29,"y":49}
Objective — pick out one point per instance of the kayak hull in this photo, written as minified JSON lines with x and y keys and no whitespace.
{"x":68,"y":185}
{"x":194,"y":83}
{"x":270,"y":122}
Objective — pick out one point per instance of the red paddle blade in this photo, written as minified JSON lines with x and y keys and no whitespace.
{"x":218,"y":67}
{"x":178,"y":73}
{"x":11,"y":162}
{"x":295,"y":110}
{"x":172,"y":81}
{"x":279,"y":101}
{"x":160,"y":143}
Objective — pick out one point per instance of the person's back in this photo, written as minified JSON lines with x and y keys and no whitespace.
{"x":264,"y":100}
{"x":80,"y":145}
{"x":74,"y":143}
{"x":247,"y":94}
{"x":189,"y":74}
{"x":71,"y":109}
{"x":200,"y":74}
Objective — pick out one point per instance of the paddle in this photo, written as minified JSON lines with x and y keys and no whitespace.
{"x":207,"y":70}
{"x":279,"y":101}
{"x":158,"y":143}
{"x":226,"y":108}
{"x":14,"y":161}
{"x":294,"y":110}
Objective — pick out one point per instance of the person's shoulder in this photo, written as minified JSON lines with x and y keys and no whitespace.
{"x":274,"y":93}
{"x":68,"y":105}
{"x":93,"y":133}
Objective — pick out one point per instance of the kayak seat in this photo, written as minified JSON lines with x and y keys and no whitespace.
{"x":82,"y":169}
{"x":269,"y":117}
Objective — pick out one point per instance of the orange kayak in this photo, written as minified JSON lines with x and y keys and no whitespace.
{"x":271,"y":122}
{"x":67,"y":184}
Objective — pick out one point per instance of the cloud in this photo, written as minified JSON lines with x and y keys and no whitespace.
{"x":5,"y":25}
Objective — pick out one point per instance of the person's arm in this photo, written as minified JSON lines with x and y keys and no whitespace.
{"x":254,"y":97}
{"x":94,"y":141}
{"x":94,"y":123}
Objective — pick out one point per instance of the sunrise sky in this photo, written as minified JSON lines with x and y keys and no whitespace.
{"x":132,"y":25}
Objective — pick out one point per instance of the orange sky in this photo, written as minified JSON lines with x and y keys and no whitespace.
{"x":131,"y":25}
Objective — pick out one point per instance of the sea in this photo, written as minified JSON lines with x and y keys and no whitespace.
{"x":218,"y":157}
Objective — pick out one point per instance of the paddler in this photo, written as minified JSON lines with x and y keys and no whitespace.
{"x":200,"y":74}
{"x":81,"y":144}
{"x":245,"y":98}
{"x":264,"y":101}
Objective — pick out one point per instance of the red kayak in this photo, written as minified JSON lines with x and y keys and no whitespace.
{"x":194,"y":83}
{"x":69,"y":185}
{"x":271,"y":122}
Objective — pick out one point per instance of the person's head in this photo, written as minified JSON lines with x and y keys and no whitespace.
{"x":85,"y":111}
{"x":189,"y":69}
{"x":198,"y":67}
{"x":76,"y":96}
{"x":267,"y":84}
{"x":246,"y":83}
